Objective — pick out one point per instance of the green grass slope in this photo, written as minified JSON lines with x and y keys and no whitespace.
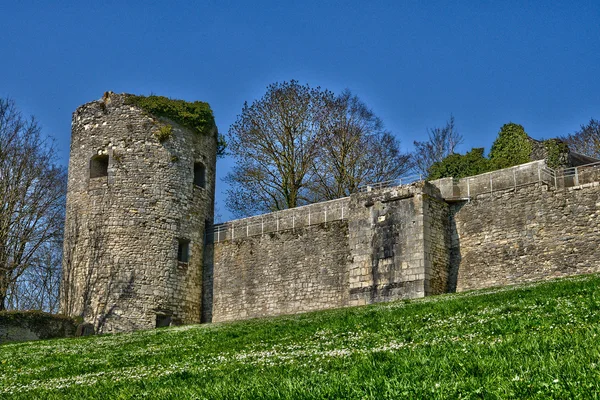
{"x":535,"y":341}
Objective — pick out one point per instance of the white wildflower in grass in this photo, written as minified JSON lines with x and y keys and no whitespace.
{"x":469,"y":341}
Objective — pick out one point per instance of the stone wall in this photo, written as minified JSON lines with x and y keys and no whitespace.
{"x":282,"y":272}
{"x":18,"y":326}
{"x":530,"y":234}
{"x":375,"y":253}
{"x":436,"y":243}
{"x":386,"y":241}
{"x":123,"y":227}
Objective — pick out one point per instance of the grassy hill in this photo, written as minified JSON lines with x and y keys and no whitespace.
{"x":534,"y":341}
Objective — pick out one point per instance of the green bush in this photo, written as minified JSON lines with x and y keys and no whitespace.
{"x":511,"y":147}
{"x":459,"y":166}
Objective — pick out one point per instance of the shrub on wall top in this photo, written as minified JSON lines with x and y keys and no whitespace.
{"x":459,"y":166}
{"x":511,"y":147}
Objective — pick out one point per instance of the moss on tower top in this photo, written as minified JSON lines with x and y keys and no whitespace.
{"x":196,"y":115}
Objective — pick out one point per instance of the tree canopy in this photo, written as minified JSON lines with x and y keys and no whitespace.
{"x":460,"y":166}
{"x":511,"y":147}
{"x":298,"y":145}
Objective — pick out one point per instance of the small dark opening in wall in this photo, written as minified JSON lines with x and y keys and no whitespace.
{"x":163,"y":320}
{"x":99,"y":166}
{"x":199,"y":175}
{"x":183,"y":250}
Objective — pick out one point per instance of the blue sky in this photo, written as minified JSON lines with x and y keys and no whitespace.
{"x":536,"y":63}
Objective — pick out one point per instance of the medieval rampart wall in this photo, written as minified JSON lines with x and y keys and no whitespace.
{"x":500,"y":228}
{"x":529,"y":234}
{"x":377,"y":252}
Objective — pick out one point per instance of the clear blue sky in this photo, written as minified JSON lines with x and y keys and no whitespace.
{"x":536,"y":63}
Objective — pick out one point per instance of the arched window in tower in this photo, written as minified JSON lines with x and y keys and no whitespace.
{"x":199,"y":175}
{"x":99,"y":166}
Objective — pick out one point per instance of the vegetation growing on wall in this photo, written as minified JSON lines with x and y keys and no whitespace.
{"x":555,"y":152}
{"x":459,"y":165}
{"x":195,"y":115}
{"x":164,"y":132}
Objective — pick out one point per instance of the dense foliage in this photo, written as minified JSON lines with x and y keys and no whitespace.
{"x":511,"y":147}
{"x":459,"y":165}
{"x":196,"y":115}
{"x":536,"y":341}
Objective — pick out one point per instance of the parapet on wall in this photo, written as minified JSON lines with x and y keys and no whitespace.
{"x":510,"y":226}
{"x":386,"y":244}
{"x":529,"y":234}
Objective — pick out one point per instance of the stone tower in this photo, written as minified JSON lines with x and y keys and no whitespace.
{"x":140,"y":196}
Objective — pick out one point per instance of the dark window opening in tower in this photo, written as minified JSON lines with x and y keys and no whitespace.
{"x":163,"y":320}
{"x":99,"y":166}
{"x":199,"y":175}
{"x":183,"y":250}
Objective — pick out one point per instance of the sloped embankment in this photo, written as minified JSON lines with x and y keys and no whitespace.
{"x":528,"y":341}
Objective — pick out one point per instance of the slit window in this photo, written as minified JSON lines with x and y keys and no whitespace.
{"x":199,"y":175}
{"x":183,"y":250}
{"x":99,"y":166}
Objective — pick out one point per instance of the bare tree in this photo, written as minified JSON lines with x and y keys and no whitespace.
{"x":298,"y":145}
{"x":32,"y":196}
{"x":442,"y":143}
{"x":355,"y":150}
{"x":275,"y":141}
{"x":586,"y":140}
{"x":38,"y":287}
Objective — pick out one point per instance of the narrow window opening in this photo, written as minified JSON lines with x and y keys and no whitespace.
{"x":199,"y":175}
{"x":99,"y":166}
{"x":183,"y":251}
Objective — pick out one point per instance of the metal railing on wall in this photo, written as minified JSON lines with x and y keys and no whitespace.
{"x":291,"y":219}
{"x":464,"y":188}
{"x":525,"y":174}
{"x":405,"y":180}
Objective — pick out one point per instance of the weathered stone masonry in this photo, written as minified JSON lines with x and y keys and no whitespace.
{"x":527,"y":235}
{"x":413,"y":241}
{"x":138,"y":253}
{"x":131,"y":202}
{"x":391,"y":245}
